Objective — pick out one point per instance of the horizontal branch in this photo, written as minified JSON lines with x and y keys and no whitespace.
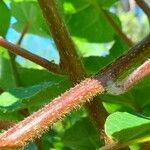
{"x":137,"y":75}
{"x":30,"y":56}
{"x":135,"y":55}
{"x":37,"y":123}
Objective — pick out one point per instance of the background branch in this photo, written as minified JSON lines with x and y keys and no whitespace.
{"x":30,"y":56}
{"x":135,"y":55}
{"x":114,"y":25}
{"x":12,"y":56}
{"x":23,"y":33}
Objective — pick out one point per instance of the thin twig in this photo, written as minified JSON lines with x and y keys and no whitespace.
{"x":30,"y":56}
{"x":12,"y":56}
{"x":23,"y":33}
{"x":137,"y":75}
{"x":114,"y":25}
{"x":121,"y":87}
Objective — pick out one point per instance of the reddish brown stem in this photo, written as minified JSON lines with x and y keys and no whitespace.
{"x":37,"y":123}
{"x":30,"y":56}
{"x":138,"y":74}
{"x":135,"y":55}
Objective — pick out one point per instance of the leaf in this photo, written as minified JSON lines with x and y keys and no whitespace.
{"x":94,"y":63}
{"x":31,"y":15}
{"x":106,"y":3}
{"x":86,"y":49}
{"x":31,"y":146}
{"x":4,"y":18}
{"x":85,"y":21}
{"x":30,"y":97}
{"x":10,"y":116}
{"x":82,"y":135}
{"x":125,"y":127}
{"x":40,"y":75}
{"x":6,"y":79}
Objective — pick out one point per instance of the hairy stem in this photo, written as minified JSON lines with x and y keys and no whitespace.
{"x":137,"y":75}
{"x":30,"y":56}
{"x":36,"y":124}
{"x":69,"y":60}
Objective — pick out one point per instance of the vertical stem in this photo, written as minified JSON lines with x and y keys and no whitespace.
{"x":70,"y":62}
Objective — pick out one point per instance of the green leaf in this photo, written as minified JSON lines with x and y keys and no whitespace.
{"x":6,"y":79}
{"x":40,"y":75}
{"x":94,"y":63}
{"x":10,"y":116}
{"x":106,"y":3}
{"x":86,"y":49}
{"x":125,"y":127}
{"x":4,"y":18}
{"x":30,"y":14}
{"x":82,"y":135}
{"x":85,"y":21}
{"x":31,"y":97}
